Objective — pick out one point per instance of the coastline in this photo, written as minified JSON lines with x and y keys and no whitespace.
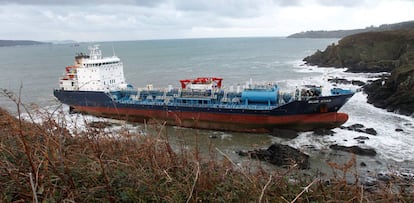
{"x":385,"y":142}
{"x":344,"y":137}
{"x":376,"y":52}
{"x":312,"y":143}
{"x":87,"y":167}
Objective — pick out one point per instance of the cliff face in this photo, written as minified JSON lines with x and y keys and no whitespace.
{"x":395,"y":93}
{"x":388,"y":51}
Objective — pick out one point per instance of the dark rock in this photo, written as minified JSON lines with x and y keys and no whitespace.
{"x":399,"y":130}
{"x":371,"y":131}
{"x":384,"y":177}
{"x":309,"y":146}
{"x":409,"y":177}
{"x":355,"y":126}
{"x":363,"y":164}
{"x":360,"y":128}
{"x":361,"y":138}
{"x":370,"y":183}
{"x":99,"y":124}
{"x":401,"y":176}
{"x":358,"y":83}
{"x":355,"y":150}
{"x":213,"y":136}
{"x":280,"y":155}
{"x":243,"y":153}
{"x":394,"y":93}
{"x":339,"y":81}
{"x":346,"y":82}
{"x":284,"y":133}
{"x":361,"y":142}
{"x":327,"y":182}
{"x":323,"y":132}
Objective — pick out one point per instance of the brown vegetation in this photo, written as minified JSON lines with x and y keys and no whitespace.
{"x":45,"y":163}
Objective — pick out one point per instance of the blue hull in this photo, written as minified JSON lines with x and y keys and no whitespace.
{"x":319,"y":112}
{"x":323,"y":104}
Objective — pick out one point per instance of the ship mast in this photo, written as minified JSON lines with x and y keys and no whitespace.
{"x":95,"y":52}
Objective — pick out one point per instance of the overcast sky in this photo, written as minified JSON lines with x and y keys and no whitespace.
{"x":107,"y":20}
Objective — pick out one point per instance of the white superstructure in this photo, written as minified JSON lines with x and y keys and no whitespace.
{"x":94,"y":73}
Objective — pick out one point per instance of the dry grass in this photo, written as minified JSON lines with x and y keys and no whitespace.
{"x":45,"y":163}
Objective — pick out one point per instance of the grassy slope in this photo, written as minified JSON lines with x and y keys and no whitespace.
{"x":95,"y":167}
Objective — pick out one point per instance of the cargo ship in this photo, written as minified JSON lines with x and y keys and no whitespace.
{"x":96,"y":85}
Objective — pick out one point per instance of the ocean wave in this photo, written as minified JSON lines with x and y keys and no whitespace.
{"x":394,"y":140}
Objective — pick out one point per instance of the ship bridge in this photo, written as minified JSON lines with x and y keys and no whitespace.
{"x":94,"y":73}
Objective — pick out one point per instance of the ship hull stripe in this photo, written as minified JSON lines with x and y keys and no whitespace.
{"x":217,"y":121}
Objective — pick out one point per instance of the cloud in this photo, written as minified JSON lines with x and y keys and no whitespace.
{"x":202,"y":5}
{"x":144,"y":3}
{"x":347,"y":3}
{"x":287,"y":2}
{"x":92,"y":20}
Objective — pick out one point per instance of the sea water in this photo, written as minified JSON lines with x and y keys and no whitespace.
{"x":33,"y":71}
{"x":159,"y":62}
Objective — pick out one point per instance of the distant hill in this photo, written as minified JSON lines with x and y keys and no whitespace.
{"x":63,"y":42}
{"x":5,"y":43}
{"x":344,"y":33}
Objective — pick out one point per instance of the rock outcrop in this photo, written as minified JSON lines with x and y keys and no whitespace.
{"x":360,"y":128}
{"x":395,"y":93}
{"x":355,"y":150}
{"x":346,"y":82}
{"x":280,"y":155}
{"x":388,"y":51}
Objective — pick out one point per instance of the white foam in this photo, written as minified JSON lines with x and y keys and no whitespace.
{"x":77,"y":123}
{"x":389,"y":144}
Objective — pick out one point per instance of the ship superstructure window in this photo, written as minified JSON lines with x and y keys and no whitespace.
{"x":111,"y":63}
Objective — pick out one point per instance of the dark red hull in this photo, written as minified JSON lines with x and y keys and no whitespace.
{"x":225,"y":122}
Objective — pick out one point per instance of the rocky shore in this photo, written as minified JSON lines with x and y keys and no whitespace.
{"x":375,"y":52}
{"x":280,"y":155}
{"x":43,"y":162}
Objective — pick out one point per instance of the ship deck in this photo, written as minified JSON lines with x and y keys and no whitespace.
{"x":217,"y":106}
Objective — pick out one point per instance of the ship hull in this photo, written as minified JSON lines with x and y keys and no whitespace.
{"x":299,"y":115}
